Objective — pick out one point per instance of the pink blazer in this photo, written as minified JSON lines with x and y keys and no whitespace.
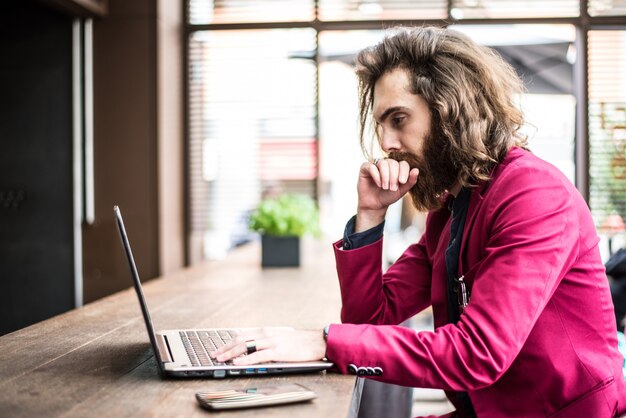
{"x":538,"y":337}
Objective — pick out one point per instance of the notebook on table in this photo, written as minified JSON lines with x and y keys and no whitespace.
{"x":185,"y":352}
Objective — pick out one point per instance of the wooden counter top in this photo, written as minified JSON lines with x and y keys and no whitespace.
{"x":97,"y":361}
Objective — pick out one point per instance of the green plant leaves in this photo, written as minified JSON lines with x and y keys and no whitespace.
{"x":286,"y":215}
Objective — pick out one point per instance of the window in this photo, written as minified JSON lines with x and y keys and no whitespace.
{"x":607,"y":129}
{"x":238,"y":11}
{"x":607,"y":7}
{"x":252,"y":127}
{"x":494,"y":9}
{"x":334,"y":10}
{"x":258,"y":123}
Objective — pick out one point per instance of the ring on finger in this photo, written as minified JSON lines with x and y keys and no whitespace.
{"x":377,"y":160}
{"x":250,"y":346}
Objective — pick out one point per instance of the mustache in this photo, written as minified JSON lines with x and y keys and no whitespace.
{"x":437,"y":174}
{"x":411,"y":159}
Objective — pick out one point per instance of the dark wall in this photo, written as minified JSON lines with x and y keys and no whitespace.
{"x":36,"y":162}
{"x":36,"y":198}
{"x":125,"y":135}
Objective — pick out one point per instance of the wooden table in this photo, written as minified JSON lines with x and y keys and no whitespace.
{"x":96,"y":360}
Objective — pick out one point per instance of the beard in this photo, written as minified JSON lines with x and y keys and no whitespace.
{"x":437,"y":172}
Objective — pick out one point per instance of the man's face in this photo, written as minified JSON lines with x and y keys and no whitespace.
{"x":403,"y":125}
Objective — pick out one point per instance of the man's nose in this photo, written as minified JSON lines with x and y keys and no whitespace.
{"x":390,"y":141}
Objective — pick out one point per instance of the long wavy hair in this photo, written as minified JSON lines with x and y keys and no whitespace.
{"x":469,"y":88}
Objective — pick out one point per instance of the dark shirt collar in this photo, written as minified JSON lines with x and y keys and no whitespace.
{"x":455,"y":204}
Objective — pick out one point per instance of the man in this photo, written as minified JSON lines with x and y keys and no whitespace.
{"x":509,"y":259}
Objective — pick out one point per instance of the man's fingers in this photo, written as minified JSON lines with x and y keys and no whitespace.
{"x":383,"y":169}
{"x":412,"y":179}
{"x":374,"y":174}
{"x":231,"y":353}
{"x":263,"y":354}
{"x":394,"y":171}
{"x":237,"y":346}
{"x":403,"y":174}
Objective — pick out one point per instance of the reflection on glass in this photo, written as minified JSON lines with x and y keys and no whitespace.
{"x":252,"y":105}
{"x":543,"y":57}
{"x":607,"y":7}
{"x":607,"y":131}
{"x":494,"y":9}
{"x":381,"y":9}
{"x":238,"y":11}
{"x":541,"y":54}
{"x":340,"y":153}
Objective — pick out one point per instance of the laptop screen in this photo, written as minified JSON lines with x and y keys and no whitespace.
{"x":137,"y":285}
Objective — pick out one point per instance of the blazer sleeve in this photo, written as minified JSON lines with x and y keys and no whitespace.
{"x":533,"y":241}
{"x":370,"y":297}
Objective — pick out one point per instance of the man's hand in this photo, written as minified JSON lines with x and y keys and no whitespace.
{"x":379,"y":186}
{"x":274,"y":344}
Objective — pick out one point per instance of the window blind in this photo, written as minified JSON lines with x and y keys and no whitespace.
{"x":491,"y":9}
{"x":607,"y":126}
{"x":252,"y":98}
{"x":607,"y":7}
{"x":333,"y":10}
{"x":252,"y":126}
{"x":250,"y":11}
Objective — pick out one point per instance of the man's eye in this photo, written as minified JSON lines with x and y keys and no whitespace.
{"x":397,"y":120}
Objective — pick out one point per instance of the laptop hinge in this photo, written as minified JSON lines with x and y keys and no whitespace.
{"x":163,"y":348}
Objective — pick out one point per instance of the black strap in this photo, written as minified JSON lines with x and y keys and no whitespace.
{"x":459,"y":213}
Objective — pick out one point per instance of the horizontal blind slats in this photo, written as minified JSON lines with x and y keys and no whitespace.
{"x":607,"y":125}
{"x":252,"y":125}
{"x":607,"y":7}
{"x":485,"y":9}
{"x":335,"y":10}
{"x":250,"y":11}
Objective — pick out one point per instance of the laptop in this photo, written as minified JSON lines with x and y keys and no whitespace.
{"x":185,"y":352}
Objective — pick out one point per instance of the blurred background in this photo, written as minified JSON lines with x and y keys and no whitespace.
{"x":187,"y":113}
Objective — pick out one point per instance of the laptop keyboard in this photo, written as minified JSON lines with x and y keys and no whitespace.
{"x":199,"y":344}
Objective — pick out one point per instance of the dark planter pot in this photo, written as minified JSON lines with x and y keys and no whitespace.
{"x":280,"y":251}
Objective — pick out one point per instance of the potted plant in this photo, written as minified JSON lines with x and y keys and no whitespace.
{"x":282,"y":221}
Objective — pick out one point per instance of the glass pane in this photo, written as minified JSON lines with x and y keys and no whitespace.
{"x":607,"y":7}
{"x":382,"y":9}
{"x":252,"y":106}
{"x":238,"y":11}
{"x":607,"y":131}
{"x":340,"y":153}
{"x":490,"y":9}
{"x":543,"y":56}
